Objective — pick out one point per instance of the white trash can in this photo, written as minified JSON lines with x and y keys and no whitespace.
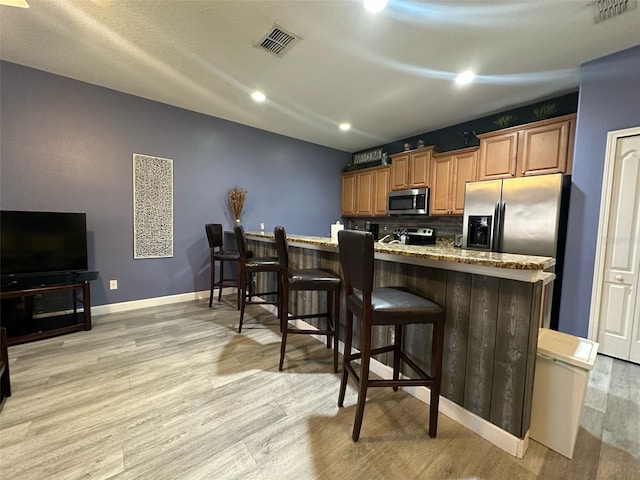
{"x":563,"y":365}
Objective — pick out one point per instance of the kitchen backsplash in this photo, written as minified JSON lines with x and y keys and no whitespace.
{"x":445,"y":227}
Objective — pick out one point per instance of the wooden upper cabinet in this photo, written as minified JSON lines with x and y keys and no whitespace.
{"x":465,"y":166}
{"x":381,"y":191}
{"x":534,"y":149}
{"x":399,"y":177}
{"x":498,"y":154}
{"x":411,"y":169}
{"x":348,"y":204}
{"x":364,"y":192}
{"x":544,"y":149}
{"x":420,"y":168}
{"x":450,"y":172}
{"x":441,"y":177}
{"x":572,"y":137}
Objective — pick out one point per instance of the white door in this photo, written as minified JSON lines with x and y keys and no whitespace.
{"x":615,"y":307}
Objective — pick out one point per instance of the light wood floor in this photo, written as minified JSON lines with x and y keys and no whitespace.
{"x":173,"y":392}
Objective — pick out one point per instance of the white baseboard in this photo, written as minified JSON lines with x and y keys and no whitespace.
{"x":487,"y":430}
{"x":151,"y":302}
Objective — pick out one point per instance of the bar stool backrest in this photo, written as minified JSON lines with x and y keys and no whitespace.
{"x":281,"y":247}
{"x":214,"y":234}
{"x":356,"y":259}
{"x":240,"y":241}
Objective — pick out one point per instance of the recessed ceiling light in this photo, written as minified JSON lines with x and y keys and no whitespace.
{"x":374,"y":5}
{"x":258,"y":96}
{"x":15,"y":3}
{"x":465,"y":77}
{"x":345,"y":126}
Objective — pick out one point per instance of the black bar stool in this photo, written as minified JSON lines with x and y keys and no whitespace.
{"x":218,"y":254}
{"x":384,"y":306}
{"x":308,"y":279}
{"x":247,"y":266}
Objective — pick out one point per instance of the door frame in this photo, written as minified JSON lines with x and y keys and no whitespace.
{"x":603,"y":226}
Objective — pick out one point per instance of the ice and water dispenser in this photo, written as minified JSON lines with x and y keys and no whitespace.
{"x":479,"y":232}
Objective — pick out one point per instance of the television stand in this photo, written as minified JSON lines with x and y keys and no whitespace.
{"x":25,"y":324}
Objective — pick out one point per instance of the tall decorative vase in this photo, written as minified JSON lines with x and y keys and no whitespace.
{"x":236,"y":201}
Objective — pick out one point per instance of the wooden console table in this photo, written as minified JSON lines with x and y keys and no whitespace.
{"x":5,"y":381}
{"x":74,"y":288}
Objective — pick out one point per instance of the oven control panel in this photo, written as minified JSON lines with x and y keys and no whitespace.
{"x":415,"y":235}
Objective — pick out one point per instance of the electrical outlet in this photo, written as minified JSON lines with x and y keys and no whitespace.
{"x":113,"y":284}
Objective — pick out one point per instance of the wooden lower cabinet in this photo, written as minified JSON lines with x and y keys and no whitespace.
{"x":450,"y":172}
{"x":364,"y":192}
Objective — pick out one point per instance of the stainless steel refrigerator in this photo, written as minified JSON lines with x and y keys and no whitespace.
{"x":526,"y":215}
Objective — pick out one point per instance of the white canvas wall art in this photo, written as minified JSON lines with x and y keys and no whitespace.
{"x":152,"y":207}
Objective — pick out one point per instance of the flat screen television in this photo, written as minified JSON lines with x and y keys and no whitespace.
{"x":33,"y":243}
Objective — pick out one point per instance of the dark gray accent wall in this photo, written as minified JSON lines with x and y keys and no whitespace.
{"x":453,"y":137}
{"x":609,"y":100}
{"x":68,"y":145}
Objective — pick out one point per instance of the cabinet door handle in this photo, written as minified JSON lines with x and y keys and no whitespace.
{"x":619,"y":278}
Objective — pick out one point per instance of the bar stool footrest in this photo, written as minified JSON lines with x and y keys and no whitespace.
{"x":309,"y":331}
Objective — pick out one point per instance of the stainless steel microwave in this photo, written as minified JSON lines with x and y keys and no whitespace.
{"x":408,"y":202}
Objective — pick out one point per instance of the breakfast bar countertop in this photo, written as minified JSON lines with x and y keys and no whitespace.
{"x":441,"y":252}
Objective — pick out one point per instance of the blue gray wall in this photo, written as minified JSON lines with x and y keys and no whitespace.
{"x":68,"y":146}
{"x":609,"y":100}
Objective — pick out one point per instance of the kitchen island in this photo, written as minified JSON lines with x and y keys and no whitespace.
{"x":494,"y":302}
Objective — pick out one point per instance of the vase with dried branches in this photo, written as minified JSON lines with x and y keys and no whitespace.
{"x":236,"y":200}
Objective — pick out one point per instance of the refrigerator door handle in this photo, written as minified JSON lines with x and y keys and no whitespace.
{"x":496,"y":228}
{"x":503,"y":208}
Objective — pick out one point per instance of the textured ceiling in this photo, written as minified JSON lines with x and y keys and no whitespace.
{"x":389,"y":74}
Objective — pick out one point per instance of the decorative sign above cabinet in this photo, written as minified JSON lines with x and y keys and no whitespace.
{"x":367,"y":157}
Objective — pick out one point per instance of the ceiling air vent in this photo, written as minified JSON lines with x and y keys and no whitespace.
{"x":606,"y":9}
{"x":278,"y":41}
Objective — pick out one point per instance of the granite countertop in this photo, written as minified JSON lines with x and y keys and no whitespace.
{"x":442,"y":251}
